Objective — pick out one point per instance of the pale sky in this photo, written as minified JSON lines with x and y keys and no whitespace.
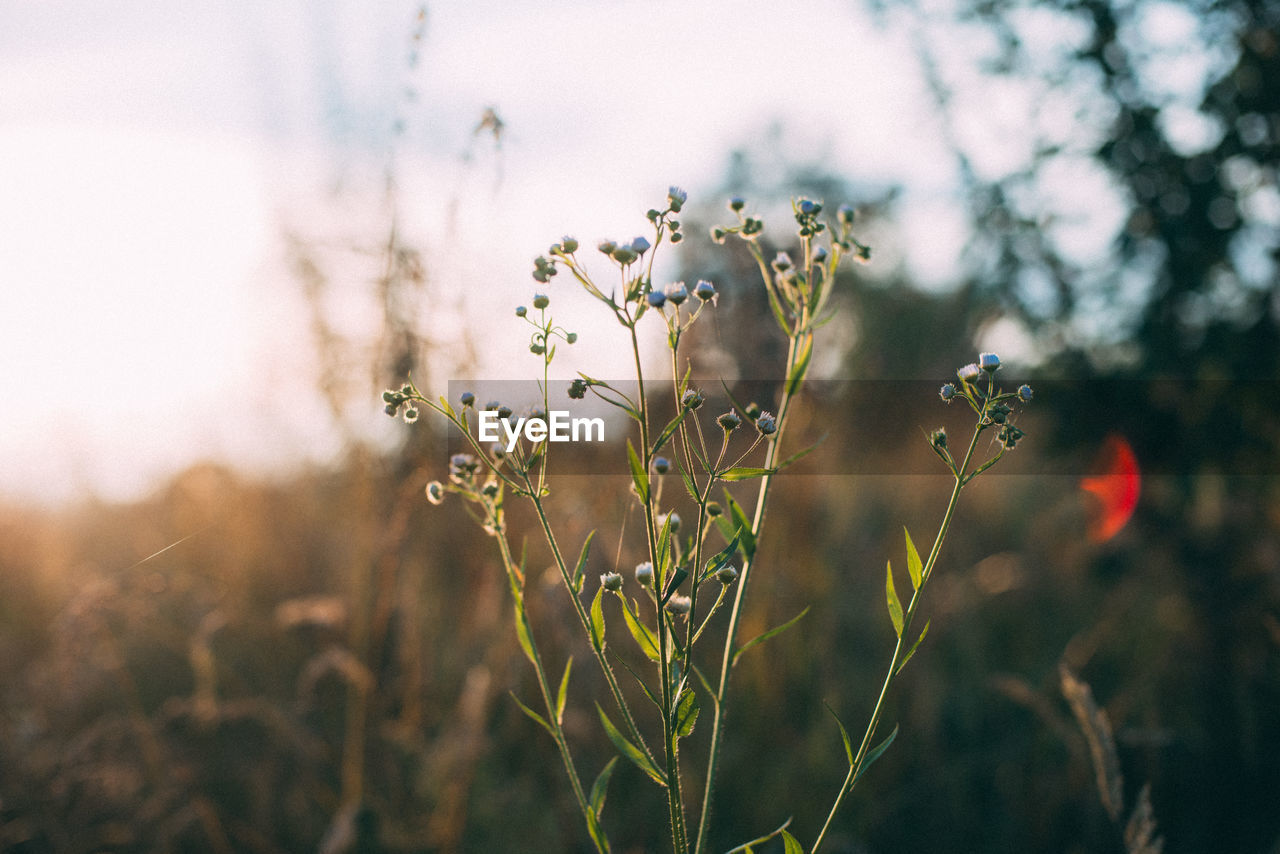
{"x":153,"y":155}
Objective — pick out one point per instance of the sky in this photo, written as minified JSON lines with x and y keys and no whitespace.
{"x":157,"y":158}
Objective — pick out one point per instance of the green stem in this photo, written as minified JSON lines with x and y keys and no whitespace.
{"x":855,"y":769}
{"x":735,"y":614}
{"x":553,"y":718}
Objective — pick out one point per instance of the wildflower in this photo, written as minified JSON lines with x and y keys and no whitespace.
{"x":676,"y":293}
{"x":568,"y":245}
{"x":1025,"y":393}
{"x":657,"y":299}
{"x":577,"y":389}
{"x":727,"y":574}
{"x":737,"y":203}
{"x":607,"y":246}
{"x":729,"y":421}
{"x":611,"y":581}
{"x":504,"y":411}
{"x":989,"y":362}
{"x":492,"y":406}
{"x":766,"y":424}
{"x":676,"y":198}
{"x":704,"y":290}
{"x":679,"y":605}
{"x":820,"y":255}
{"x":845,"y":214}
{"x":808,"y":207}
{"x":938,"y":438}
{"x":410,"y":414}
{"x":782,"y":262}
{"x":391,"y":409}
{"x":644,"y":574}
{"x":541,"y":301}
{"x":624,"y":255}
{"x":435,"y":492}
{"x":947,"y":392}
{"x":661,"y":465}
{"x":1009,"y":436}
{"x":521,"y":311}
{"x":639,"y":246}
{"x":1000,"y":412}
{"x":462,"y":465}
{"x":691,"y":399}
{"x":969,"y":372}
{"x":468,"y":399}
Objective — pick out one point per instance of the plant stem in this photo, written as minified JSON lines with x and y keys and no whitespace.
{"x":855,"y":769}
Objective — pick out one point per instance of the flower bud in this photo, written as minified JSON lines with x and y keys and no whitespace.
{"x":729,"y":421}
{"x":657,"y":299}
{"x":678,"y":606}
{"x":947,"y":392}
{"x":490,"y":489}
{"x":938,"y":438}
{"x":988,"y":362}
{"x":820,"y":255}
{"x":578,"y":389}
{"x":568,"y":245}
{"x":611,"y":581}
{"x":468,"y":399}
{"x":969,"y":372}
{"x":782,"y":262}
{"x":571,"y":338}
{"x":521,"y":311}
{"x":1025,"y":393}
{"x":644,"y":574}
{"x":607,"y":246}
{"x":624,"y":255}
{"x":391,"y":409}
{"x":691,"y":399}
{"x":639,"y":246}
{"x":676,"y":198}
{"x":704,"y":290}
{"x":661,"y":465}
{"x":541,"y":301}
{"x":718,"y":235}
{"x":410,"y":414}
{"x":737,"y":203}
{"x":676,"y":293}
{"x":537,"y":349}
{"x":845,"y":213}
{"x":504,"y":411}
{"x":672,"y":519}
{"x":435,"y":492}
{"x":727,"y":574}
{"x":752,"y":411}
{"x":808,"y":207}
{"x":714,"y":509}
{"x":766,"y":424}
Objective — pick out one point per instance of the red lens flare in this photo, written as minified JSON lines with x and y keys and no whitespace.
{"x":1116,"y":488}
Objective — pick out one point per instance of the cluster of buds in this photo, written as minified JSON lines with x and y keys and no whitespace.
{"x":625,"y":253}
{"x":543,"y":268}
{"x":977,"y":387}
{"x":676,"y":197}
{"x":806,"y":211}
{"x":397,"y":398}
{"x":748,"y":227}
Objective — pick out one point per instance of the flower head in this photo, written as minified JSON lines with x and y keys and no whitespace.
{"x":727,"y":574}
{"x":639,"y":246}
{"x":661,"y":465}
{"x":676,"y":198}
{"x":644,"y":574}
{"x":704,"y":290}
{"x":691,"y":399}
{"x":611,"y":581}
{"x":541,"y":301}
{"x":657,"y":299}
{"x":729,"y":421}
{"x":1025,"y":393}
{"x":947,"y":392}
{"x":969,"y":372}
{"x":679,"y":605}
{"x":766,"y":424}
{"x":435,"y":492}
{"x":676,"y":293}
{"x":989,"y":362}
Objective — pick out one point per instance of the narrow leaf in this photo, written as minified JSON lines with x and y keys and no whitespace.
{"x":914,"y":566}
{"x":791,"y":845}
{"x":669,"y":430}
{"x":895,"y":607}
{"x":874,"y":754}
{"x":798,"y":455}
{"x":522,"y":631}
{"x":759,"y":639}
{"x":745,"y":848}
{"x":639,"y":681}
{"x":581,"y":566}
{"x":844,"y":734}
{"x":645,"y":638}
{"x":448,"y":410}
{"x":689,"y":486}
{"x":637,"y":756}
{"x":721,"y":559}
{"x":542,"y":722}
{"x":673,"y":584}
{"x":745,"y":473}
{"x":563,"y":693}
{"x":746,"y":539}
{"x":914,"y":647}
{"x":686,"y":715}
{"x":597,"y":620}
{"x":801,"y":366}
{"x":638,"y":474}
{"x":596,"y":831}
{"x":600,"y":788}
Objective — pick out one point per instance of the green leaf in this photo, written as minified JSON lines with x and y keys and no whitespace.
{"x":670,"y":429}
{"x":895,"y":607}
{"x":745,"y":473}
{"x":597,"y":620}
{"x":637,"y":756}
{"x":596,"y":831}
{"x":563,"y":693}
{"x":914,"y":566}
{"x":720,"y":560}
{"x":801,"y":366}
{"x":638,"y":474}
{"x":686,"y":715}
{"x":639,"y":681}
{"x":677,"y":578}
{"x":645,"y":638}
{"x":541,"y":721}
{"x":581,"y":566}
{"x":522,"y":631}
{"x":746,"y":539}
{"x":448,"y":410}
{"x":600,"y":788}
{"x":689,"y":486}
{"x":759,"y":639}
{"x":874,"y":754}
{"x":791,"y":845}
{"x":844,"y":734}
{"x":913,"y":649}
